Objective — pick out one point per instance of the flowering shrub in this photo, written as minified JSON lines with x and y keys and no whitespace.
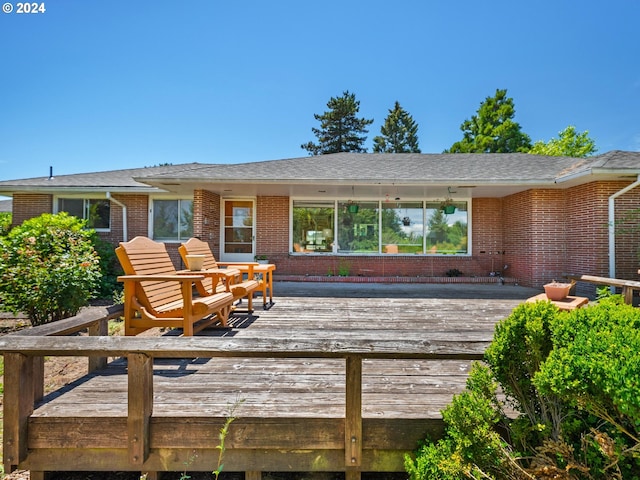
{"x":48,"y":268}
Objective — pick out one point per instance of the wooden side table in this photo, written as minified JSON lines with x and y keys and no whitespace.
{"x":266,"y":270}
{"x":568,"y":303}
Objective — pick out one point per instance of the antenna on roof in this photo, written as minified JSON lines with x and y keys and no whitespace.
{"x":50,"y":173}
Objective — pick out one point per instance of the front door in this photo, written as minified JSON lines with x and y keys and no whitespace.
{"x":238,"y":236}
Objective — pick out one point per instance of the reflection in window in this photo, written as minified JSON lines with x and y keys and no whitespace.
{"x":446,"y":233}
{"x":97,"y":212}
{"x":313,"y":226}
{"x":389,"y":227}
{"x":172,"y":219}
{"x":358,"y":231}
{"x":402,"y":227}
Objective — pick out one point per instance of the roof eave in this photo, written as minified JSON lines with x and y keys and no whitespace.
{"x":78,"y":190}
{"x":601,"y":172}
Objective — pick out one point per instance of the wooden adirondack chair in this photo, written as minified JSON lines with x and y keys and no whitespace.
{"x":156,"y":296}
{"x":221,"y":279}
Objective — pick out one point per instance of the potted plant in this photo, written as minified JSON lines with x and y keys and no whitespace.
{"x":262,"y":259}
{"x":557,"y":290}
{"x":447,"y":206}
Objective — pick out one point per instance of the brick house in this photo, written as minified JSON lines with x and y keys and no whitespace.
{"x":525,"y":217}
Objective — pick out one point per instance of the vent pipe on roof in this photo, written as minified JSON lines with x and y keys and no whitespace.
{"x":124,"y":216}
{"x":50,"y":172}
{"x":612,"y":225}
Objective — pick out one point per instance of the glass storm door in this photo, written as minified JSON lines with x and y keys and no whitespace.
{"x":238,"y":236}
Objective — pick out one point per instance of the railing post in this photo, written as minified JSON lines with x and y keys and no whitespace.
{"x":140,"y":395}
{"x":18,"y":401}
{"x":353,"y":413}
{"x":99,"y":328}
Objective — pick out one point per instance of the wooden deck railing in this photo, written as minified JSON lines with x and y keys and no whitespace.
{"x":627,"y":286}
{"x":23,"y":356}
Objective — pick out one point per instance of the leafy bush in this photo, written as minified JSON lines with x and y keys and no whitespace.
{"x":48,"y":269}
{"x":108,"y":285}
{"x":572,"y":380}
{"x":5,"y":223}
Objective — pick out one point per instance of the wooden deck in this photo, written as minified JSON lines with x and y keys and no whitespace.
{"x":326,"y":384}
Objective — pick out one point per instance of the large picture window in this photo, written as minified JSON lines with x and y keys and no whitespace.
{"x":172,"y":219}
{"x":446,"y":233}
{"x":402,"y":227}
{"x":313,"y":224}
{"x":386,"y":227}
{"x":97,"y":212}
{"x":358,"y":231}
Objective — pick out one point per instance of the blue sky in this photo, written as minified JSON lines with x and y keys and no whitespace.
{"x":109,"y":84}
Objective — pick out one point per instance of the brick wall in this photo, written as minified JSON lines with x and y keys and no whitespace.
{"x":272,"y":226}
{"x":27,"y":205}
{"x":539,"y":234}
{"x":206,"y":222}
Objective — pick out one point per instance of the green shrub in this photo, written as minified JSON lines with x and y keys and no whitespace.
{"x":48,"y":269}
{"x":572,"y":379}
{"x":5,"y":223}
{"x":108,"y":285}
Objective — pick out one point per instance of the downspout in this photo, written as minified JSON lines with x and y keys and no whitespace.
{"x":124,"y":216}
{"x":612,"y":226}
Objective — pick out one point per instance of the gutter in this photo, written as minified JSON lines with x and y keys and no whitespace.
{"x":612,"y":229}
{"x":124,"y":215}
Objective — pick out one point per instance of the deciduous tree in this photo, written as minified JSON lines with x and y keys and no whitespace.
{"x":340,"y":128}
{"x":493,"y":129}
{"x":568,"y":144}
{"x":399,"y":133}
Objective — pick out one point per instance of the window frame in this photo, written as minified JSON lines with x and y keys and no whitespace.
{"x":86,"y":199}
{"x":424,"y":202}
{"x":151,"y":218}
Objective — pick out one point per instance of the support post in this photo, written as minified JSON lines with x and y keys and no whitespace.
{"x":100,"y":328}
{"x":353,"y":413}
{"x":140,"y":395}
{"x":18,"y":406}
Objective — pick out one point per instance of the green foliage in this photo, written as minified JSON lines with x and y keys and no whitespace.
{"x":399,"y":133}
{"x":521,"y":343}
{"x":108,"y":285}
{"x":595,"y":365}
{"x":340,"y":130}
{"x":569,"y":143}
{"x":573,"y":379}
{"x":471,"y":447}
{"x":493,"y":130}
{"x":5,"y":223}
{"x":48,"y":269}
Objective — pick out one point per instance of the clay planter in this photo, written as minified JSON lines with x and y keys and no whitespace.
{"x":194,"y":262}
{"x":557,"y":291}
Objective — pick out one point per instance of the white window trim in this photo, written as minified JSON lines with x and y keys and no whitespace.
{"x":85,"y":197}
{"x":152,"y":199}
{"x":424,"y":201}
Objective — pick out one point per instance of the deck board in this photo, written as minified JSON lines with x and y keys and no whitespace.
{"x":304,"y":387}
{"x":293,"y":409}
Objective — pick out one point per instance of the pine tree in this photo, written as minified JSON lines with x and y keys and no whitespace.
{"x":340,"y":130}
{"x":399,"y":133}
{"x":493,"y":130}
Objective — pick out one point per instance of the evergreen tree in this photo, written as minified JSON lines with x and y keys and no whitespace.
{"x":340,"y":130}
{"x":399,"y":133}
{"x":568,"y":144}
{"x":492,"y":130}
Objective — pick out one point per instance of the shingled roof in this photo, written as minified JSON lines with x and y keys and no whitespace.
{"x":388,"y":167}
{"x":348,"y":169}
